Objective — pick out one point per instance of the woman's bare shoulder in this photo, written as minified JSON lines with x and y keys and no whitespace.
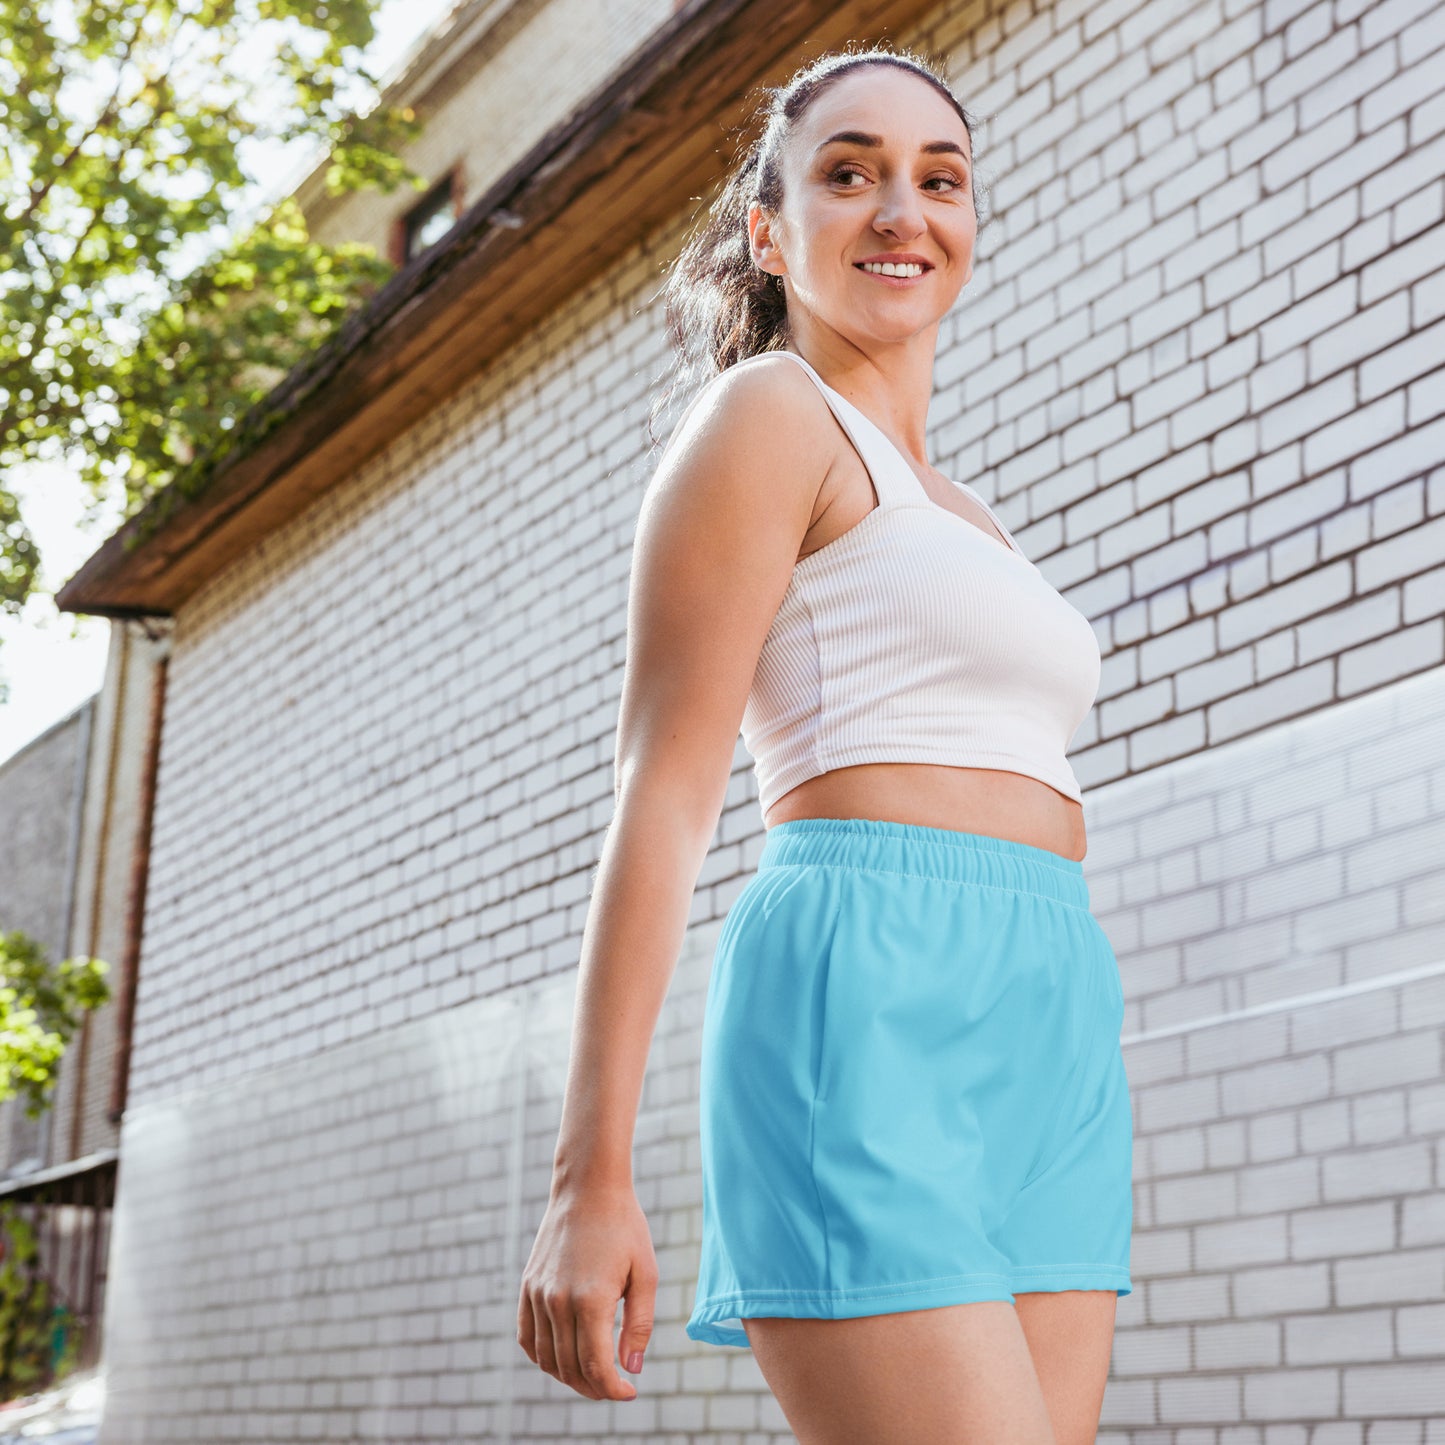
{"x":717,"y":539}
{"x":765,"y":400}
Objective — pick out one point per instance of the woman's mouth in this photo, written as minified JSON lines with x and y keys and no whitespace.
{"x":894,"y":273}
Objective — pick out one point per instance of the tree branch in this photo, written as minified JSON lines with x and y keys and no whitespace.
{"x":39,"y":193}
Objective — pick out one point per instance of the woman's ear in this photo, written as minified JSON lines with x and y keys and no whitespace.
{"x":766,"y":255}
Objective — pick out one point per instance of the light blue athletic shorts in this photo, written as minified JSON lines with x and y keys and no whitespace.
{"x":912,"y":1087}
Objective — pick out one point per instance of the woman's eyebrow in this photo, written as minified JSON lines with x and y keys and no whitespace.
{"x":863,"y":138}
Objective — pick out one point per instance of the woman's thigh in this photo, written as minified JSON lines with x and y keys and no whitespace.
{"x":1071,"y":1337}
{"x":954,"y":1375}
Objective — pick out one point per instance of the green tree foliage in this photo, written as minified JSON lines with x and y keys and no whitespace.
{"x":31,"y":1313}
{"x":40,"y":1008}
{"x":141,"y":313}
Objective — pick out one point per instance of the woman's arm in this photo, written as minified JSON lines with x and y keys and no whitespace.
{"x":717,"y":536}
{"x":719,"y":530}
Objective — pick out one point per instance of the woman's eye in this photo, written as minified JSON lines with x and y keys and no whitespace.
{"x":839,"y":172}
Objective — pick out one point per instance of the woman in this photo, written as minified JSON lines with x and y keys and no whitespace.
{"x":915,"y":1123}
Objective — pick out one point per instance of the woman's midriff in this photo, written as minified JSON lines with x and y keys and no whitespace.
{"x":971,"y":800}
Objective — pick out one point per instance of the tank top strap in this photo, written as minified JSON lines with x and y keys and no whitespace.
{"x":894,"y":480}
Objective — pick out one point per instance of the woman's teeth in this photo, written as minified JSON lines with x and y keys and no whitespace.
{"x":891,"y":268}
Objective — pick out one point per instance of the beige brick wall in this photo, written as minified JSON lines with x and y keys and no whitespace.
{"x":547,"y":56}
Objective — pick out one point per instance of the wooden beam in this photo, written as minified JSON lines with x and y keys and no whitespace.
{"x":626,"y":161}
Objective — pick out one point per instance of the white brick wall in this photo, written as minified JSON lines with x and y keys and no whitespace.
{"x":1198,"y":366}
{"x":1195,"y":371}
{"x":332,"y":1248}
{"x":387,"y":760}
{"x":1275,"y":908}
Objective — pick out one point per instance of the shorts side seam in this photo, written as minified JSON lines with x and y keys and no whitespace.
{"x":813,"y":1102}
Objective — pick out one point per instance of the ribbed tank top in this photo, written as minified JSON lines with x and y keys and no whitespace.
{"x":915,"y":637}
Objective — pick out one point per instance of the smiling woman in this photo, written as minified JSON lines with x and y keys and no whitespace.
{"x":722,"y":302}
{"x":856,"y":192}
{"x":915,"y":1125}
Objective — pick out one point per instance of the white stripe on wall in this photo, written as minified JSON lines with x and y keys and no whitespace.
{"x":1283,"y":1005}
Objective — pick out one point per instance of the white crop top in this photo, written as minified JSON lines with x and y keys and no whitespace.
{"x":916,"y":637}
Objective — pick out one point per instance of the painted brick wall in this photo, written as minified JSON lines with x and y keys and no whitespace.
{"x":1200,"y":372}
{"x":332,"y":1248}
{"x":1278,"y":911}
{"x":387,"y":761}
{"x":1201,"y":369}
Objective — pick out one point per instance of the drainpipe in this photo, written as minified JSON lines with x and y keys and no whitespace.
{"x":136,"y":890}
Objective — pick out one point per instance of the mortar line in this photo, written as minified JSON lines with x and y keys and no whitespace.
{"x":1294,"y":1001}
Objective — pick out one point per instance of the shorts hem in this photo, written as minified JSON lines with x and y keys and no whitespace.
{"x":826,"y":1304}
{"x":705,"y":1327}
{"x":1041,"y":1278}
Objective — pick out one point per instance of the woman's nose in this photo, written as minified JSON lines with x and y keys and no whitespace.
{"x":900,"y":211}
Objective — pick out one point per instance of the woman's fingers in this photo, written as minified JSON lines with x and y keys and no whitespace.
{"x":544,"y":1337}
{"x":572,"y":1342}
{"x":527,"y":1325}
{"x":564,"y":1333}
{"x":592,"y":1335}
{"x":590,"y":1252}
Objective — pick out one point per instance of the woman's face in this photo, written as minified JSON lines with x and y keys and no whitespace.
{"x":900,"y":184}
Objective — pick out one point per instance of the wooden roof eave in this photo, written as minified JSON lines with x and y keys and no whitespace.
{"x":627,"y":160}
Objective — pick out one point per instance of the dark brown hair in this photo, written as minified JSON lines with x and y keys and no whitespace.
{"x":719,"y":307}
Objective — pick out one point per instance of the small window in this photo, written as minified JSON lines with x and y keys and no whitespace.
{"x":429,"y":220}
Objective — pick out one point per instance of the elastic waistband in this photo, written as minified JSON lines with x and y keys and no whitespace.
{"x":911,"y":848}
